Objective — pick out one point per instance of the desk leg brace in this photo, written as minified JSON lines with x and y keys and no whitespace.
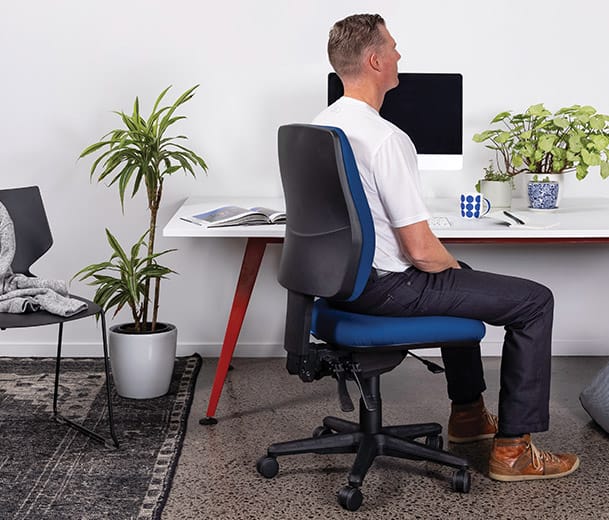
{"x":252,"y":259}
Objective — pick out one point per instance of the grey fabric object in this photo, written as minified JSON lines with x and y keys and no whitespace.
{"x":595,"y":398}
{"x":20,"y":293}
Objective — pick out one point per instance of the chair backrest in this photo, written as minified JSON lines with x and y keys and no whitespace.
{"x":329,"y":241}
{"x":32,"y":232}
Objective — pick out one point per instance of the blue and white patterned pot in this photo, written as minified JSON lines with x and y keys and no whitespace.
{"x":542,"y":195}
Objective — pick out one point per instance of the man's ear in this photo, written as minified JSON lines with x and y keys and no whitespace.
{"x":374,"y":61}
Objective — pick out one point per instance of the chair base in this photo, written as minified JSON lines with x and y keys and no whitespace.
{"x":113,"y":443}
{"x":370,"y":439}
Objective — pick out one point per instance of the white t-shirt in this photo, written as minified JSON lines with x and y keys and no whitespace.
{"x":387,"y":163}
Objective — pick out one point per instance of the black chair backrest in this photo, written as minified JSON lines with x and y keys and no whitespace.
{"x":329,"y":241}
{"x":32,"y":232}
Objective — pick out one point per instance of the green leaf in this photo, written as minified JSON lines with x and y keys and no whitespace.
{"x":538,"y":110}
{"x":503,"y":137}
{"x":526,"y":134}
{"x":517,"y":161}
{"x":561,"y":122}
{"x":574,"y":143}
{"x":597,"y":122}
{"x":600,"y":142}
{"x":591,"y":158}
{"x":581,"y":171}
{"x":604,"y":169}
{"x":483,"y":136}
{"x":546,"y":142}
{"x":500,"y":117}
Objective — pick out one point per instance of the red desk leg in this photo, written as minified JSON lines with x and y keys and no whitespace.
{"x":252,"y":259}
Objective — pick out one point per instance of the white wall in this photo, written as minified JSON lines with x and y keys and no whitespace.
{"x":67,"y":64}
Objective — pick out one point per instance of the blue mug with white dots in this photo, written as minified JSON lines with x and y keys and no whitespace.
{"x":474,"y":205}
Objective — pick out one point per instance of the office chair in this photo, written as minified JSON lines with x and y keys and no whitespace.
{"x":327,"y":255}
{"x":33,"y":239}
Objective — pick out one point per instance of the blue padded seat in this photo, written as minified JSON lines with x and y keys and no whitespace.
{"x":363,"y":330}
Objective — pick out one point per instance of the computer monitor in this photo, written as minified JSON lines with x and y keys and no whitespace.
{"x":429,"y":108}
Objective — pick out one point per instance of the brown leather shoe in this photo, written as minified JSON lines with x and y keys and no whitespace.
{"x":471,"y":422}
{"x":519,"y":459}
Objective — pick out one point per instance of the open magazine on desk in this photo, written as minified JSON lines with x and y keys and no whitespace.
{"x":238,"y":216}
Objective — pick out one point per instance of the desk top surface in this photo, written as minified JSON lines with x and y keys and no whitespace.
{"x":577,"y":218}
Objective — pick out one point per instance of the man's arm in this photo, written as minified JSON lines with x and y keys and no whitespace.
{"x":423,"y":249}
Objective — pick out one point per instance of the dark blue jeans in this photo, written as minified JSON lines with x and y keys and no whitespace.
{"x":523,"y":307}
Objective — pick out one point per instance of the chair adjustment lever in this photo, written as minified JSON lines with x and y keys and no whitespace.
{"x":347,"y":370}
{"x":346,"y":404}
{"x":367,"y":405}
{"x":434,"y":368}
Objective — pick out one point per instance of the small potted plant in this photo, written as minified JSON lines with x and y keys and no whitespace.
{"x":496,"y":186}
{"x":139,"y":155}
{"x":543,"y":193}
{"x":538,"y":141}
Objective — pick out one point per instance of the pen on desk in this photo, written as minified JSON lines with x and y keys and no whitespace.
{"x":514,"y":218}
{"x":191,"y":221}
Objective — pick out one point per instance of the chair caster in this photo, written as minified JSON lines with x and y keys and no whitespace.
{"x":320,"y":431}
{"x":435,"y":442}
{"x":462,"y":481}
{"x":268,"y":467}
{"x":350,"y":498}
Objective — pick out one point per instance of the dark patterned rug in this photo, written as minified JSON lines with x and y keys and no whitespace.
{"x":50,"y":471}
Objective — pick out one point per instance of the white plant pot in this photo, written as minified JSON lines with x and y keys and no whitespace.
{"x":499,"y":193}
{"x":554,"y":177}
{"x":142,"y":364}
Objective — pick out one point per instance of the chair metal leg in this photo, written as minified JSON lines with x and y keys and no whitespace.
{"x":366,"y":453}
{"x":334,"y":443}
{"x":60,"y":418}
{"x":340,"y":425}
{"x":413,"y":431}
{"x":406,"y":449}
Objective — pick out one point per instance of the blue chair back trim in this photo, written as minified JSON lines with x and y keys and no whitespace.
{"x":363,"y":213}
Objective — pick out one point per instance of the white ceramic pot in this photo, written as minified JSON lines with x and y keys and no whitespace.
{"x":499,"y":193}
{"x":553,"y":177}
{"x":142,"y":364}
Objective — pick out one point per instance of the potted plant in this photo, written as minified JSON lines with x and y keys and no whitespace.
{"x":538,"y":141}
{"x":496,"y":186}
{"x":543,"y":193}
{"x":139,"y":156}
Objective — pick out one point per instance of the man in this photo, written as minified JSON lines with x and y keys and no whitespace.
{"x":413,"y":274}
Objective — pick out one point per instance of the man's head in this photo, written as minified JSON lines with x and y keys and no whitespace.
{"x":360,"y":44}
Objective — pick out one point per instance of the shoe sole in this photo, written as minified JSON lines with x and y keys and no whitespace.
{"x":465,"y":440}
{"x":517,"y":478}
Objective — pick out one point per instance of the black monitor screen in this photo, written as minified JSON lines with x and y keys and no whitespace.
{"x":428,"y":107}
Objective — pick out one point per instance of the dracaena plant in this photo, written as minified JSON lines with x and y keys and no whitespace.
{"x":140,"y":155}
{"x":124,"y":279}
{"x":573,"y":138}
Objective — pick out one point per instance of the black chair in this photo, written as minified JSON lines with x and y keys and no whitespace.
{"x":33,"y":239}
{"x":327,"y":255}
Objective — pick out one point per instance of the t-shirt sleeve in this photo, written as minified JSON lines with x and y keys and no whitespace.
{"x":398,"y":183}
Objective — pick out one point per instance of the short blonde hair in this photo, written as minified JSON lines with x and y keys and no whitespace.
{"x":349,"y":38}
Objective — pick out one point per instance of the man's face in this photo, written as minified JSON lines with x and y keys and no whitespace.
{"x":388,"y":57}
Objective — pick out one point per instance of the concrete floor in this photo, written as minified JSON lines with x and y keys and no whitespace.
{"x":261,"y":404}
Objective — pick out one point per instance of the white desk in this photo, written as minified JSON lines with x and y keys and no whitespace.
{"x":577,"y":220}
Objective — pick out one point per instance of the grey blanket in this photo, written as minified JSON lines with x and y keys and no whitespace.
{"x":20,"y":293}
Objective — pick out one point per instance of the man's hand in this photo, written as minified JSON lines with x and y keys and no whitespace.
{"x":423,"y":249}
